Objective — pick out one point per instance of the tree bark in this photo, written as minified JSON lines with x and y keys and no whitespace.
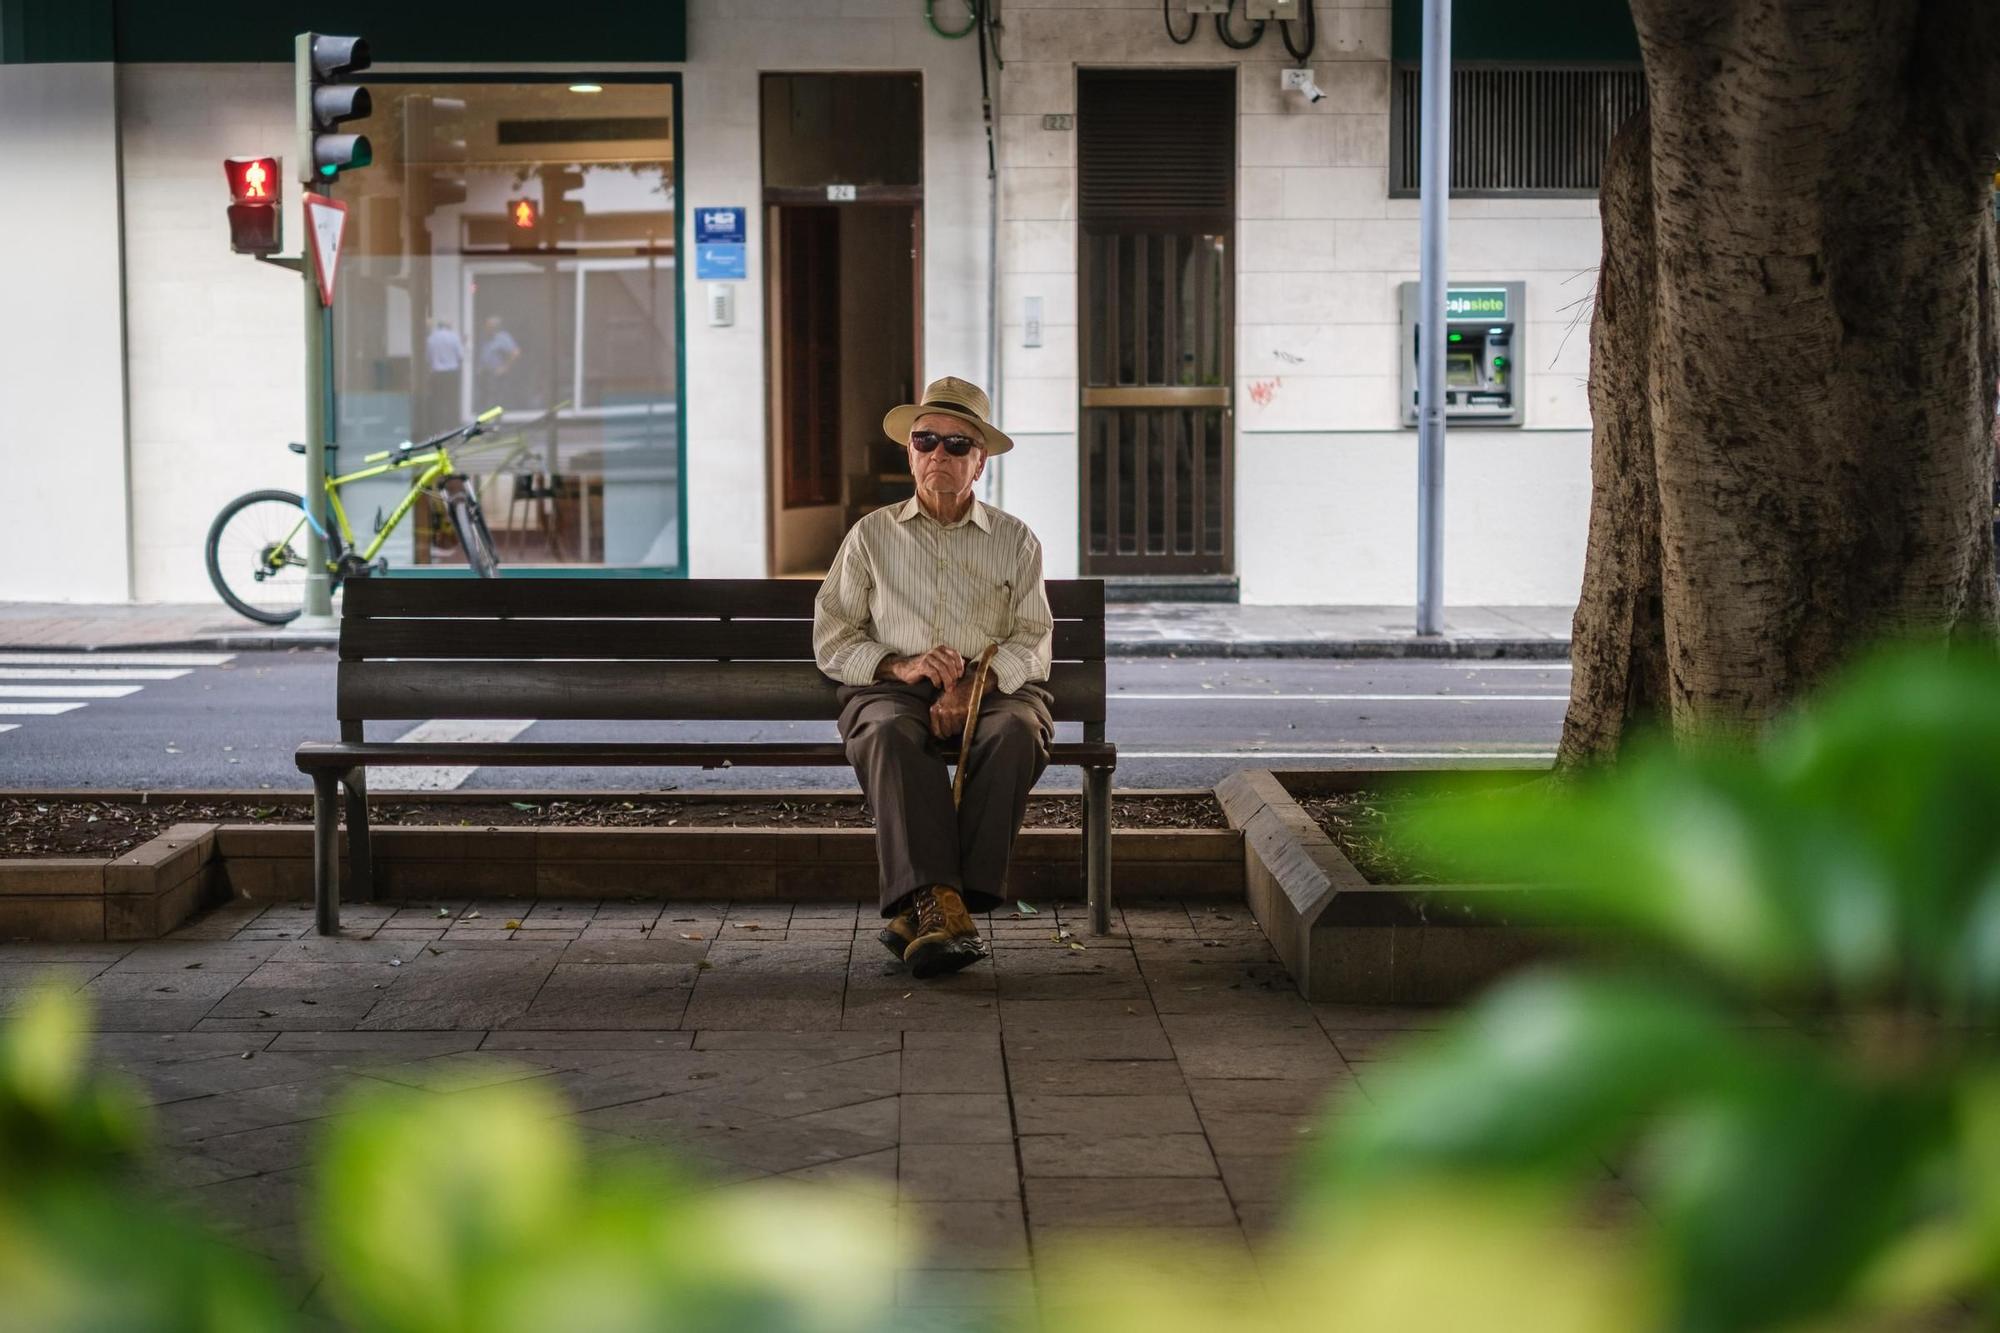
{"x":1818,"y":355}
{"x":1619,"y":646}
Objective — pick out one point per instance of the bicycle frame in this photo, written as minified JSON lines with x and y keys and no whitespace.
{"x":436,"y":465}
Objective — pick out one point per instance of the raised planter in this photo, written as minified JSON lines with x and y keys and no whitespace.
{"x":138,"y":896}
{"x":1348,"y":941}
{"x":152,"y":889}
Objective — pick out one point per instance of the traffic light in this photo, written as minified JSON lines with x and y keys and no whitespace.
{"x":325,"y":103}
{"x":254,"y":225}
{"x":522,"y":215}
{"x":564,"y":185}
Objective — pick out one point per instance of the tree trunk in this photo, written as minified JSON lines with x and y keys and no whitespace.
{"x":1619,"y":643}
{"x":1818,"y":350}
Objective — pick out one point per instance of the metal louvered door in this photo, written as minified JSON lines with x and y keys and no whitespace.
{"x":1156,"y":280}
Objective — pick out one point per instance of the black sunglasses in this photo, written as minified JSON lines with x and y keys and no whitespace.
{"x":958,"y":446}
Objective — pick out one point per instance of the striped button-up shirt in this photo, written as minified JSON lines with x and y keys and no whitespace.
{"x":903,"y":583}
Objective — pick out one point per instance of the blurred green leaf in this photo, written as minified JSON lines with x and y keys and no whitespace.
{"x":1545,"y":1075}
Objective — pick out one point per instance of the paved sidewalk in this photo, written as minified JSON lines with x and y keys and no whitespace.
{"x":1138,"y":629}
{"x":1164,"y":1076}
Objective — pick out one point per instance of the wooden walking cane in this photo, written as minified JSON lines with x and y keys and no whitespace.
{"x":971,"y":722}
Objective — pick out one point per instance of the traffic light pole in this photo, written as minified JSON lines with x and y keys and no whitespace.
{"x":318,"y":611}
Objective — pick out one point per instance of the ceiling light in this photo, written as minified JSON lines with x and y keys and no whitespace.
{"x":586,"y":87}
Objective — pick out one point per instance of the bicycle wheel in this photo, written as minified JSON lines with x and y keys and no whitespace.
{"x":470,"y":523}
{"x":257,"y":556}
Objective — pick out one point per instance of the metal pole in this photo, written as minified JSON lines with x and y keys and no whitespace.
{"x":318,"y":612}
{"x":1436,"y":197}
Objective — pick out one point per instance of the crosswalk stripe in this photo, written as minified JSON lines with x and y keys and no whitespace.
{"x":68,"y":691}
{"x":398,"y":778}
{"x":91,"y":673}
{"x":164,"y":659}
{"x":36,"y":710}
{"x":10,"y":726}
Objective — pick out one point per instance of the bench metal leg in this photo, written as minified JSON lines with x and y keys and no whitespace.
{"x":360,"y":858}
{"x":1097,"y":847}
{"x":326,"y":853}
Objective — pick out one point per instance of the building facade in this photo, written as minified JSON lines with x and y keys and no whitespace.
{"x":694,"y":253}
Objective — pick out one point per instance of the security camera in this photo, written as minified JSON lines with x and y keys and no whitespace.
{"x":1301,"y":81}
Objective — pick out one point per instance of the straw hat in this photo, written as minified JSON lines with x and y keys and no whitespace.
{"x":953,"y":397}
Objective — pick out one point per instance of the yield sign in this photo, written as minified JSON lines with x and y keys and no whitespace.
{"x":326,"y":220}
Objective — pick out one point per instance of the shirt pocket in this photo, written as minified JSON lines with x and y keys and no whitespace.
{"x":990,"y":606}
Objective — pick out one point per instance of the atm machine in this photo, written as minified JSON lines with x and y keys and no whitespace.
{"x":1483,"y":335}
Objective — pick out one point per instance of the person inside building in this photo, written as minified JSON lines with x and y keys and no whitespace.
{"x":917,"y":593}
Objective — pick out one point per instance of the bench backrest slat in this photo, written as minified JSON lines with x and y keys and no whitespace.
{"x":630,"y":640}
{"x":666,"y":650}
{"x":640,"y":691}
{"x":614,"y":598}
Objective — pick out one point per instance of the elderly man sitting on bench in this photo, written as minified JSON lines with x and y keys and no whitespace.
{"x":920,"y":597}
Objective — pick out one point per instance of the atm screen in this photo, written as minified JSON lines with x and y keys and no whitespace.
{"x":1461,"y":370}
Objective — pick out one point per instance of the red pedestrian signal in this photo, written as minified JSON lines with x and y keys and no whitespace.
{"x":521,"y":214}
{"x":253,"y":204}
{"x":252,"y":179}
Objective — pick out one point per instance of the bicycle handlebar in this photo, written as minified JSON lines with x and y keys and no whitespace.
{"x":471,"y":428}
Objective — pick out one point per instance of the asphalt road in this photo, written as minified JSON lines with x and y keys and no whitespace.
{"x":182,"y":721}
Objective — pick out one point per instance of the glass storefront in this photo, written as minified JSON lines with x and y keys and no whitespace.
{"x":514,"y":246}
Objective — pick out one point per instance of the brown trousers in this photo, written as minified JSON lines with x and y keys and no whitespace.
{"x":919,"y":839}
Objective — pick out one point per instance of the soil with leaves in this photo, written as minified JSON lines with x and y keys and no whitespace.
{"x":31,"y":827}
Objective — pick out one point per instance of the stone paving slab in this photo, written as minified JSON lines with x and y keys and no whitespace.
{"x":1158,"y":1076}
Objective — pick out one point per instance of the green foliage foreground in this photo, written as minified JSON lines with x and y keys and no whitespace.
{"x":1786,"y":1048}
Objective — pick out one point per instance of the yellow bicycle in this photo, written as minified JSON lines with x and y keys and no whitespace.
{"x":256,"y":546}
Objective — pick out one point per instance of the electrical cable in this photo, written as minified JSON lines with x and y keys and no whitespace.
{"x":1228,"y":39}
{"x":972,"y":8}
{"x":1312,"y":34}
{"x":1167,"y":16}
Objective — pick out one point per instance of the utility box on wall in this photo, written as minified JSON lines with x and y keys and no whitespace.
{"x":1483,"y":353}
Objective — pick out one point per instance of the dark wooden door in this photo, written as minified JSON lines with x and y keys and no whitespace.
{"x":809,"y":354}
{"x":1156,"y":287}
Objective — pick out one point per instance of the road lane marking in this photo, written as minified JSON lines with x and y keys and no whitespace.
{"x":68,"y":691}
{"x":10,"y":726}
{"x":427,"y":778}
{"x":1124,"y":754}
{"x":36,"y":710}
{"x":1505,"y":666}
{"x":92,"y":673}
{"x":1344,"y":698}
{"x":116,"y":659}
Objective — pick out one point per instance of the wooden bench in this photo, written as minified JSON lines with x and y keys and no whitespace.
{"x":683,"y":650}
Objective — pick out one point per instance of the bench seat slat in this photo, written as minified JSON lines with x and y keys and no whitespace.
{"x":611,"y":754}
{"x":628,"y":640}
{"x":1070,"y":599}
{"x":635,"y":691}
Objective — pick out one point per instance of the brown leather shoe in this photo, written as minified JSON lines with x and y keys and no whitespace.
{"x":946,"y":939}
{"x":899,"y":931}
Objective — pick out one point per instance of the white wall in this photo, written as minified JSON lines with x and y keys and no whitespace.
{"x":1325,"y":478}
{"x":217,"y":359}
{"x":62,"y":335}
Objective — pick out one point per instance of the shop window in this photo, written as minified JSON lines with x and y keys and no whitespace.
{"x":513,"y":246}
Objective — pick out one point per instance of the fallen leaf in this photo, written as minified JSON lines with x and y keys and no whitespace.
{"x":689,"y":935}
{"x":1074,"y":945}
{"x":192,"y":966}
{"x":1027,"y":910}
{"x":395,"y":962}
{"x":513,"y":925}
{"x":908,"y":993}
{"x":524,"y":805}
{"x":748,"y":925}
{"x":249,"y":1055}
{"x":442,"y":912}
{"x":470,"y":916}
{"x":702,"y":965}
{"x":435,"y":950}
